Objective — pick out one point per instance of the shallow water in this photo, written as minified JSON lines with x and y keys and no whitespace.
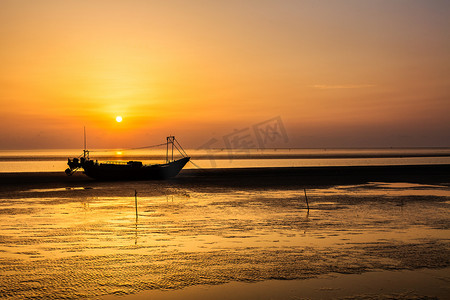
{"x":88,"y":241}
{"x":404,"y":284}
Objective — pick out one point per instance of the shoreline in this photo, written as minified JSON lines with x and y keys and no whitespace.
{"x":226,"y":156}
{"x":282,"y":177}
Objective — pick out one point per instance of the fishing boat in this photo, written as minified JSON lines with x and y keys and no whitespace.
{"x":131,"y":170}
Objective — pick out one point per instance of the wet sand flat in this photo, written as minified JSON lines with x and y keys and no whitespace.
{"x":370,"y":285}
{"x":232,"y":230}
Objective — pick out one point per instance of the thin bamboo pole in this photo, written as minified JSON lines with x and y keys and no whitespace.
{"x":306,"y":198}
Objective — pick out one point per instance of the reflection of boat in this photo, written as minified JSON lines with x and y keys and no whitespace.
{"x":132,"y":170}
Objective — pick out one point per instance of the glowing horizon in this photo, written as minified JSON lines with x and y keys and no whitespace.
{"x":346,"y":74}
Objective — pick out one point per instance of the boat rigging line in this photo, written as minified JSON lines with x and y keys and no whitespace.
{"x":128,"y":149}
{"x":170,"y":140}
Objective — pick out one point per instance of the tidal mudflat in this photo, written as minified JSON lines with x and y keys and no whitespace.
{"x":83,"y":239}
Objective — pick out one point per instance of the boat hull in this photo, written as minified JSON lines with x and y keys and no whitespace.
{"x":134,"y":171}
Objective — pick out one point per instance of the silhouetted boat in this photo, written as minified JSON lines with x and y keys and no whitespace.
{"x":132,"y":170}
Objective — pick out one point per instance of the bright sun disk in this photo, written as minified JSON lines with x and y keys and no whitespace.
{"x":119,"y":119}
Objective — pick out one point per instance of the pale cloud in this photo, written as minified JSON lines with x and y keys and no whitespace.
{"x":342,"y":86}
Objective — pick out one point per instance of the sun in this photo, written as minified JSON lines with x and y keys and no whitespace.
{"x":119,"y":119}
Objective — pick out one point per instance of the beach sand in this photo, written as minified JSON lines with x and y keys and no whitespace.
{"x":370,"y":232}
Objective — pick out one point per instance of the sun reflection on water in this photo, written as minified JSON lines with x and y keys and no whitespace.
{"x":69,"y":225}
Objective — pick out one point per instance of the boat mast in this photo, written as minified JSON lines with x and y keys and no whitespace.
{"x":85,"y":152}
{"x":170,"y":139}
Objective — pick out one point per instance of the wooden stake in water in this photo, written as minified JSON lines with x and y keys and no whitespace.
{"x":306,"y":198}
{"x":135,"y":203}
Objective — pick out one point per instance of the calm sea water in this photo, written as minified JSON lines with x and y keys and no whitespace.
{"x":55,"y":160}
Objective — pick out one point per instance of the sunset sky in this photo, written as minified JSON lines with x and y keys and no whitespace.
{"x":337,"y":73}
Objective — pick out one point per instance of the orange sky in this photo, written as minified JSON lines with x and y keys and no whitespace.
{"x":338,"y":73}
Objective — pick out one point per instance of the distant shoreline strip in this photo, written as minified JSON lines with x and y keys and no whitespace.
{"x":234,"y":156}
{"x":272,"y":177}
